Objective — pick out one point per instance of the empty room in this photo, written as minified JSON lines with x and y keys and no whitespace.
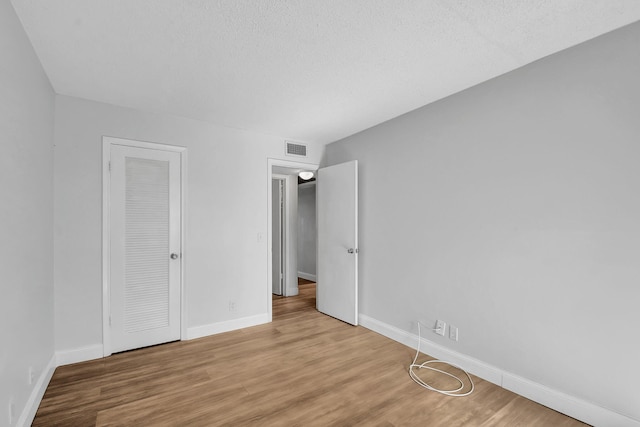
{"x":313,"y":213}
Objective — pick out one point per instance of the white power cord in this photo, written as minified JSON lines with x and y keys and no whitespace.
{"x":453,"y":392}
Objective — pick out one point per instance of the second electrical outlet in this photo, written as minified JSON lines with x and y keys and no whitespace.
{"x":453,"y":332}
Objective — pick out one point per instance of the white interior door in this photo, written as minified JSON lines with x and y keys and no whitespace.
{"x":337,"y":225}
{"x":277,"y":231}
{"x":145,"y":253}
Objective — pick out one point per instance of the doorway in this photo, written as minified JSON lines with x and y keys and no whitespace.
{"x":292,"y":213}
{"x":283,"y":245}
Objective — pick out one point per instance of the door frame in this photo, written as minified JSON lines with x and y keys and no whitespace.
{"x":293,"y":166}
{"x":107,"y":143}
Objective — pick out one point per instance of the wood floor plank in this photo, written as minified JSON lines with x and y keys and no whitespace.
{"x":303,"y":369}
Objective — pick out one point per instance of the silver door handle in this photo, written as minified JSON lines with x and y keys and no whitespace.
{"x":351,"y":250}
{"x":174,"y":256}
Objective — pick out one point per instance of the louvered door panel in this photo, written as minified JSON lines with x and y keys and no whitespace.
{"x":145,"y":231}
{"x":146,"y":296}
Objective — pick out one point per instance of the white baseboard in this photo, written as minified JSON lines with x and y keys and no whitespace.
{"x":574,"y":407}
{"x":307,"y":276}
{"x":226,"y":326}
{"x":31,"y":407}
{"x":81,"y":354}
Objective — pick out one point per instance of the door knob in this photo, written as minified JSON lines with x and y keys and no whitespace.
{"x":174,"y":256}
{"x":351,"y":250}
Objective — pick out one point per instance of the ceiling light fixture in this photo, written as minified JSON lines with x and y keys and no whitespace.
{"x":306,"y":175}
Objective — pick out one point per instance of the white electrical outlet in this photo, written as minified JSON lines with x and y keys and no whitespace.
{"x":453,"y":332}
{"x":440,"y":328}
{"x":232,"y":305}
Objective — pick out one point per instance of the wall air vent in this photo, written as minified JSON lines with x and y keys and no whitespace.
{"x":293,"y":149}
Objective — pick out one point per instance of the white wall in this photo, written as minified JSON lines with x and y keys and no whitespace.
{"x":307,"y":230}
{"x":512,"y":211}
{"x":226,"y":211}
{"x":26,"y":225}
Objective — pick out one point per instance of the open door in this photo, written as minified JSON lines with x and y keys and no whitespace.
{"x":337,"y":257}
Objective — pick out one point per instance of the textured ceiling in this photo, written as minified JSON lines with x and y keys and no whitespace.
{"x":309,"y":70}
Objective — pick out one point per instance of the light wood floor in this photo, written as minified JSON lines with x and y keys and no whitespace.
{"x":303,"y":369}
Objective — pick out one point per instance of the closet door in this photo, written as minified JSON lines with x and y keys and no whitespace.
{"x":145,"y":253}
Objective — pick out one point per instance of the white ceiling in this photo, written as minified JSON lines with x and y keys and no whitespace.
{"x":308,"y":70}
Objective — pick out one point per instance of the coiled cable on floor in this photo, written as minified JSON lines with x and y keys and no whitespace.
{"x":456,"y":392}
